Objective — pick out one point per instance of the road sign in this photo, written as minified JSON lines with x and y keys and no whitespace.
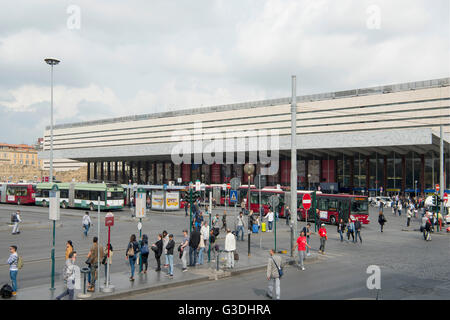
{"x":437,"y":188}
{"x":224,"y":187}
{"x":54,"y":204}
{"x":260,"y":181}
{"x":445,"y":196}
{"x":235,"y":183}
{"x":306,"y":201}
{"x":109,"y":220}
{"x":274,"y":201}
{"x":233,"y":196}
{"x":198,"y":185}
{"x":141,"y":203}
{"x":139,"y":226}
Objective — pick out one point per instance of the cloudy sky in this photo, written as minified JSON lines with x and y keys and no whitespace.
{"x":131,"y":57}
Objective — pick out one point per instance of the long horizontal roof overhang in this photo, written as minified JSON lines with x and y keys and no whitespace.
{"x":383,"y":142}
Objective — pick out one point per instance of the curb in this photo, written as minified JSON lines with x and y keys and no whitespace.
{"x":207,"y":278}
{"x":157,"y":287}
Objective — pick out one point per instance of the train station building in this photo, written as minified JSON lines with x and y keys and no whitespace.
{"x":358,"y":141}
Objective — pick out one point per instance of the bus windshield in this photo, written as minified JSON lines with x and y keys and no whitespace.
{"x":359,"y":206}
{"x":118,"y":195}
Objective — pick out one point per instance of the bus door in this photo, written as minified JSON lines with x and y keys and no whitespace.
{"x":72,"y":195}
{"x":344,"y":208}
{"x":3,"y":193}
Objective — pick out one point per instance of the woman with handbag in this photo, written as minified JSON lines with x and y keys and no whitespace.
{"x":107,"y":261}
{"x":157,"y":248}
{"x":350,"y":230}
{"x":131,"y":254}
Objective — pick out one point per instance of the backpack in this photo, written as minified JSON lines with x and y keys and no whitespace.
{"x":6,"y":291}
{"x":19,"y":262}
{"x":144,"y":249}
{"x":13,"y":217}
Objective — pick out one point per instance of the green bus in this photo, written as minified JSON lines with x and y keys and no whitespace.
{"x":83,"y":195}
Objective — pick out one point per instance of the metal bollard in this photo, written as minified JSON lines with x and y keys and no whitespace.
{"x":84,"y":271}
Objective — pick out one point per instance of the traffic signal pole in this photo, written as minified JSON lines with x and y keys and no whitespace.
{"x":441,"y":180}
{"x":293,"y":204}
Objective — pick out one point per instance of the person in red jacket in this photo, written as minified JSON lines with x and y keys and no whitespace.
{"x":323,"y":237}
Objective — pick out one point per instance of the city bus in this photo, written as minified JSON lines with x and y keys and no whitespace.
{"x":83,"y":195}
{"x":331,"y":207}
{"x":17,"y":193}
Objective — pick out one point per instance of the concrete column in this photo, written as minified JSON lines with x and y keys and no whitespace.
{"x":146,"y":172}
{"x":95,"y":170}
{"x":139,"y":172}
{"x":422,"y":174}
{"x":124,"y":176}
{"x":116,"y":175}
{"x":352,"y":169}
{"x":108,"y":177}
{"x":404,"y":174}
{"x":88,"y":171}
{"x":367,"y":174}
{"x":385,"y":174}
{"x":306,"y":174}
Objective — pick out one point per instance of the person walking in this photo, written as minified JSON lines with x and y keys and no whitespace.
{"x":131,"y":254}
{"x":144,"y":252}
{"x":269,"y":216}
{"x":358,"y":230}
{"x":230,"y":247}
{"x":224,"y":221}
{"x":408,"y":216}
{"x":13,"y":262}
{"x":194,"y":241}
{"x":86,"y":223}
{"x":273,"y":275}
{"x":212,"y":241}
{"x":287,"y":214}
{"x":186,"y":208}
{"x":184,"y":250}
{"x":215,"y":224}
{"x":341,"y":229}
{"x":169,"y":255}
{"x":69,"y":277}
{"x":240,"y":226}
{"x":69,"y":249}
{"x":157,"y":248}
{"x":307,"y":231}
{"x":381,"y":220}
{"x":400,"y":206}
{"x":198,"y":221}
{"x":93,"y":260}
{"x":350,"y":230}
{"x":16,"y":220}
{"x":165,"y":241}
{"x":323,"y":238}
{"x":201,"y":250}
{"x":301,"y":245}
{"x":204,"y":233}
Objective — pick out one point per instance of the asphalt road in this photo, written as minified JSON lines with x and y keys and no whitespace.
{"x":410,"y":269}
{"x":35,"y":240}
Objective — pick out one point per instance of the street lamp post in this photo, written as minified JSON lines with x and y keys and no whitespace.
{"x":415,"y":189}
{"x":249,"y":169}
{"x":52,"y":62}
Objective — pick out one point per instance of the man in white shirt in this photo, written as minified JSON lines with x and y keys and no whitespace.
{"x":269,"y":217}
{"x":204,"y":233}
{"x":230,"y":247}
{"x":86,"y":222}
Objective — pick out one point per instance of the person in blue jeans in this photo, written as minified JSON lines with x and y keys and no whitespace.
{"x":13,"y":269}
{"x":240,"y":226}
{"x":131,"y":254}
{"x":170,"y":246}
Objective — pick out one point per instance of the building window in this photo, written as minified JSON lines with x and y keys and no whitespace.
{"x":27,"y":162}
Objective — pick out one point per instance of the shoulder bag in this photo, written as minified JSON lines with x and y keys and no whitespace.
{"x":280,"y":270}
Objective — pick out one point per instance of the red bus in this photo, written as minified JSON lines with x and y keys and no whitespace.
{"x":331,"y":207}
{"x":17,"y":193}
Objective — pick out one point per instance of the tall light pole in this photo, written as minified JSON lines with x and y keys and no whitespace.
{"x":52,"y":62}
{"x":293,"y":165}
{"x":249,"y":169}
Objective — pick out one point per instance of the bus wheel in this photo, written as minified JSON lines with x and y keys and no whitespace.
{"x":44,"y":203}
{"x":333,"y":220}
{"x":64,"y":205}
{"x":91,"y":207}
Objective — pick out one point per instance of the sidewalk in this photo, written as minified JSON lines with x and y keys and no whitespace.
{"x":257,"y":261}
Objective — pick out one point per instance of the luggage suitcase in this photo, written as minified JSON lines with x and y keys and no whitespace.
{"x":263,"y":227}
{"x":255,"y":228}
{"x":6,"y":291}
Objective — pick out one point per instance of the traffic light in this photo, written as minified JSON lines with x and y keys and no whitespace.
{"x":434,"y":200}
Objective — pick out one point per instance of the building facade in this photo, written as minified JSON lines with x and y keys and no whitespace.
{"x":19,"y":154}
{"x":362,"y":140}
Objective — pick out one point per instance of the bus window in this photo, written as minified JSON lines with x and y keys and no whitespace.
{"x":322,"y":204}
{"x":116,"y":196}
{"x":359,"y":206}
{"x":332,"y":205}
{"x":64,"y":193}
{"x":254,"y":199}
{"x":343,"y":206}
